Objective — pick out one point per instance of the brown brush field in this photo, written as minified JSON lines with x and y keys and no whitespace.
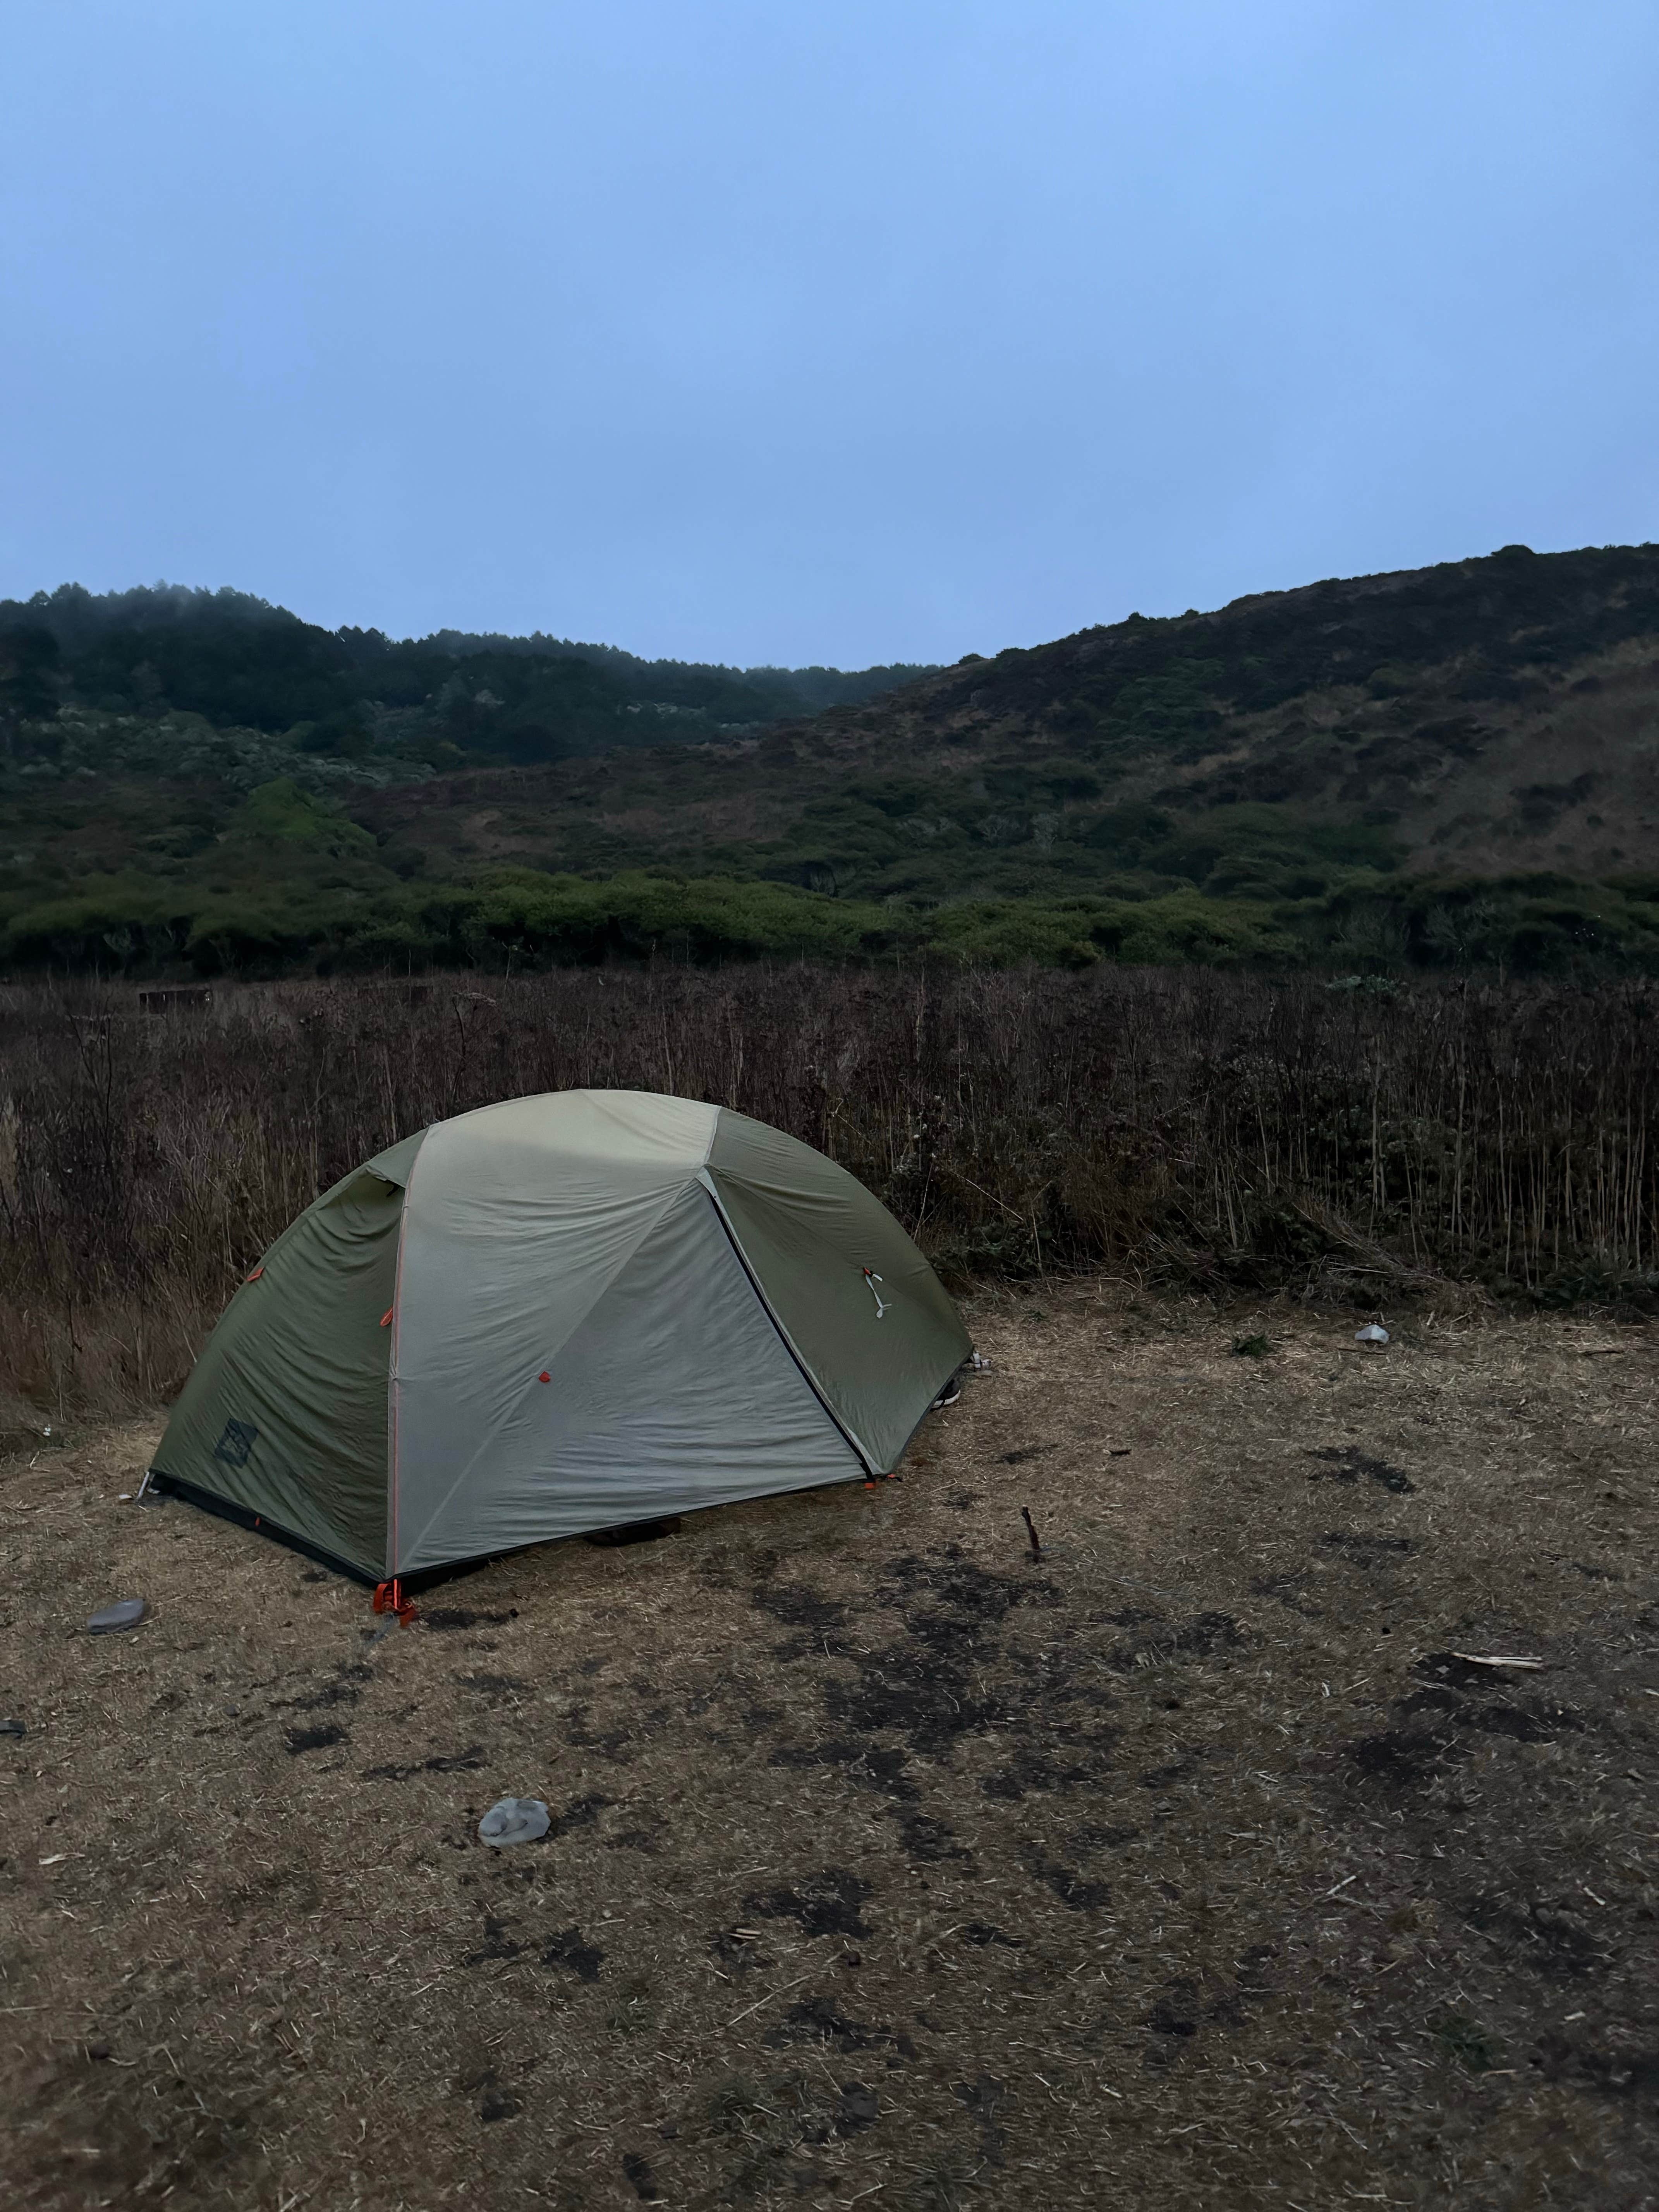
{"x":1187,"y":1866}
{"x":1229,"y":1134}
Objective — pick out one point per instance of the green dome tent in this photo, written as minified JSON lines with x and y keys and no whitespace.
{"x":557,"y":1314}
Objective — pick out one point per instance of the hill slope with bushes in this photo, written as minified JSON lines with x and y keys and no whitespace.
{"x":1452,"y":767}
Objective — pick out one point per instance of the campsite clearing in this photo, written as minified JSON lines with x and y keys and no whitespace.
{"x":1187,"y":1866}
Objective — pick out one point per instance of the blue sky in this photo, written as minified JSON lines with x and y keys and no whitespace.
{"x":757,"y":331}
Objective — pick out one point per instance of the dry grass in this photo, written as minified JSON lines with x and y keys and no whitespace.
{"x":1181,"y":1126}
{"x":1183,"y":1868}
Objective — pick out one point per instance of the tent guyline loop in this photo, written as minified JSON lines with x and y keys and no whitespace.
{"x":872,"y":1278}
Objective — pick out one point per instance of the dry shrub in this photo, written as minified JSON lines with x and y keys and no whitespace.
{"x":1225,"y":1130}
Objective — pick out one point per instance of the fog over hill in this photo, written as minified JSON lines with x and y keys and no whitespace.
{"x":1455,"y":765}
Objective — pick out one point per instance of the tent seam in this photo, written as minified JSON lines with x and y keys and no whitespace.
{"x":393,"y":1377}
{"x":708,"y":1182}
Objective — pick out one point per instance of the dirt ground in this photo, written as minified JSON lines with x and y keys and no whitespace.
{"x":1187,"y":1866}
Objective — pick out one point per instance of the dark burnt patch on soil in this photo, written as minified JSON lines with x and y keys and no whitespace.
{"x":1187,"y":2005}
{"x":1172,"y":1772}
{"x":859,"y":2108}
{"x":496,"y":1943}
{"x":651,"y":1840}
{"x":1347,"y":1463}
{"x":859,"y":1761}
{"x":1549,"y":1936}
{"x":315,"y":1739}
{"x":619,"y":1739}
{"x":571,"y":1949}
{"x":344,"y":1687}
{"x":1073,"y":1889}
{"x":818,"y":2020}
{"x":1066,"y":1759}
{"x":1402,"y":1759}
{"x":1433,"y":1725}
{"x":450,"y":1762}
{"x":982,"y":1933}
{"x":482,"y":2088}
{"x":934,"y":1683}
{"x":494,"y":1689}
{"x":638,"y":2172}
{"x":1288,"y":1591}
{"x":1091,"y":1838}
{"x":945,"y":1675}
{"x":78,"y":2135}
{"x":796,"y":1605}
{"x":829,"y":1903}
{"x":1178,"y":2011}
{"x":930,"y":1840}
{"x":580,"y":1813}
{"x":1451,"y":1668}
{"x":983,"y":2100}
{"x":735,"y":1953}
{"x":1618,"y":2069}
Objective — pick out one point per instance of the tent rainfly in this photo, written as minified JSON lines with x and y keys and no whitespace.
{"x":556,"y":1315}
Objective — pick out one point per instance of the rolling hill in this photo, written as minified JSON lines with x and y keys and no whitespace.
{"x":1455,"y":765}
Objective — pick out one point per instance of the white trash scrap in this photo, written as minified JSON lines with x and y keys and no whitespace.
{"x":513,"y":1820}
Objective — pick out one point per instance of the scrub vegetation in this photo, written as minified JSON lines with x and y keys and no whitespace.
{"x":1452,"y":771}
{"x":1359,"y":1142}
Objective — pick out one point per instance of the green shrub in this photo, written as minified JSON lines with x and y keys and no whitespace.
{"x":282,"y":811}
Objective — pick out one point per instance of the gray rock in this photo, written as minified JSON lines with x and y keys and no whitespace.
{"x":513,"y":1820}
{"x":127,"y":1613}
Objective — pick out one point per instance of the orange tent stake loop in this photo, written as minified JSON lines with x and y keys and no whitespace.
{"x":390,"y":1597}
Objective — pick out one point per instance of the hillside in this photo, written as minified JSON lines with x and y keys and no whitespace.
{"x":387,"y":707}
{"x":1484,"y":717}
{"x":1457,"y":764}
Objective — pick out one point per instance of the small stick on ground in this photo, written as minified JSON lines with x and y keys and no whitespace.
{"x":1030,"y":1530}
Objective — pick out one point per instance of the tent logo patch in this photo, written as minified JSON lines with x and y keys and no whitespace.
{"x":235,"y":1443}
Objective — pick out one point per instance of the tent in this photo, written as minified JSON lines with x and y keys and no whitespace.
{"x":557,"y":1314}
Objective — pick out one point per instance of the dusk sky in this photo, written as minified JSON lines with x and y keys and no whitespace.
{"x":751,"y":330}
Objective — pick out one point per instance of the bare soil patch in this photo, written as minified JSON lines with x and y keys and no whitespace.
{"x":1196,"y":1864}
